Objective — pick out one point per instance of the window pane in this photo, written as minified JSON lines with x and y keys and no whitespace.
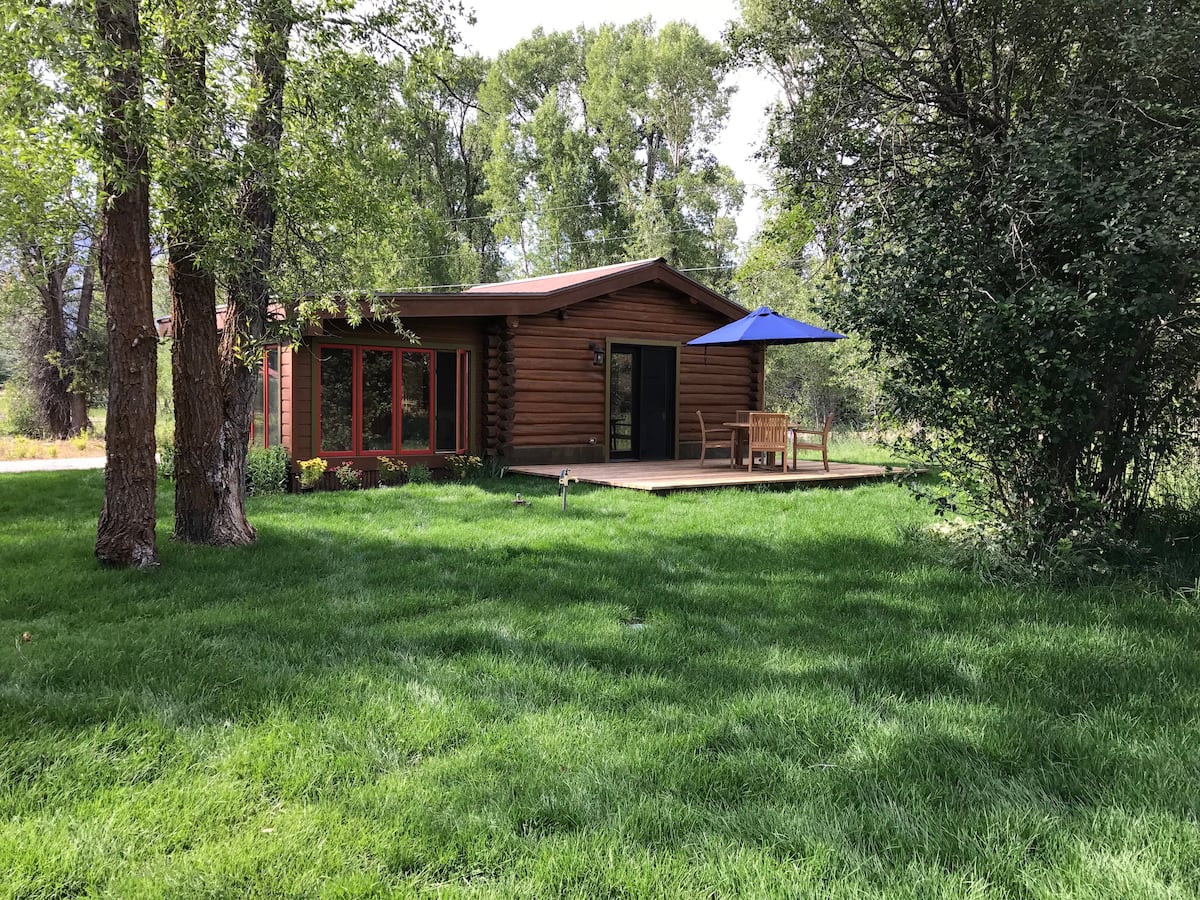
{"x":464,"y":400}
{"x":337,"y":399}
{"x":414,"y":429}
{"x":447,"y":401}
{"x":377,"y":399}
{"x":620,"y":402}
{"x":274,"y":424}
{"x":256,"y":419}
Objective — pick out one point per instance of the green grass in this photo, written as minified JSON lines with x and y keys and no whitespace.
{"x":428,"y":690}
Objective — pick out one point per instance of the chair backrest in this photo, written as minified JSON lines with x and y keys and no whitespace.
{"x":742,"y":415}
{"x":828,"y":425}
{"x":700,"y":416}
{"x":768,"y":429}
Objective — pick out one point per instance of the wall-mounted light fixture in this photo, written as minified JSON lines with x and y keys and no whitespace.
{"x":597,"y":352}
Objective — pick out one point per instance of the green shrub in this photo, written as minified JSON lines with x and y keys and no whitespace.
{"x":267,"y":470}
{"x":166,"y":459}
{"x":23,"y":416}
{"x":419,"y":474}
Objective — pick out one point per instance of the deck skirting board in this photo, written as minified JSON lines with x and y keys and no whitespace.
{"x":683,"y":475}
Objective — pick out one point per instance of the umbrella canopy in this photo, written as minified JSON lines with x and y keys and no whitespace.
{"x":764,"y":326}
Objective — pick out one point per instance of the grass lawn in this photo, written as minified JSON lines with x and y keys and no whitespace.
{"x":428,"y":690}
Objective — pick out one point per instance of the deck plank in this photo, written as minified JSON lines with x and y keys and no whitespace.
{"x":663,"y":476}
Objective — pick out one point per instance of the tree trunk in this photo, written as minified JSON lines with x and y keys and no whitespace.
{"x":250,"y":289}
{"x":80,"y":420}
{"x":199,"y":485}
{"x":204,"y":513}
{"x":46,"y":347}
{"x":125,"y":536}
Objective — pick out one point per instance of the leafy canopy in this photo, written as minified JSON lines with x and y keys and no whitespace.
{"x":1011,"y":196}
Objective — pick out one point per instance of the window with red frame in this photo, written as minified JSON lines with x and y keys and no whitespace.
{"x":377,"y":401}
{"x":265,"y":427}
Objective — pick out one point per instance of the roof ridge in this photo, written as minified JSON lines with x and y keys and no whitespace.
{"x":574,"y":275}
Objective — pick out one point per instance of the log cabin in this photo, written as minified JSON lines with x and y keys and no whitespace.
{"x":586,"y":366}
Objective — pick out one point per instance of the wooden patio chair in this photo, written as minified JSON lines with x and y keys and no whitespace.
{"x":769,"y":434}
{"x":706,"y":443}
{"x":813,"y":444}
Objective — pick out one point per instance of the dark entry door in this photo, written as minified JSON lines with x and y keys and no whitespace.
{"x":641,"y":402}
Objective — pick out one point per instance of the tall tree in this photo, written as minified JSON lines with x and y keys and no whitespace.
{"x":599,"y":148}
{"x":191,"y":181}
{"x":1009,"y":193}
{"x":48,"y":213}
{"x":249,"y":296}
{"x":303,"y":215}
{"x":126,"y":533}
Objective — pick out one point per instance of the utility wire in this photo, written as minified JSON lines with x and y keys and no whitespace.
{"x":599,"y":240}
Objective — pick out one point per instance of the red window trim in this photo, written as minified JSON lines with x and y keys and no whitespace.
{"x":357,"y":350}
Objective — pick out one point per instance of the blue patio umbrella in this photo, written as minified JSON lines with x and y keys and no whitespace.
{"x":764,"y":326}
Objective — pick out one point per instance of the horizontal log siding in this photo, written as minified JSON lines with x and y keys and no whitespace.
{"x":559,"y":399}
{"x":285,"y":397}
{"x":434,"y":334}
{"x":300,"y":442}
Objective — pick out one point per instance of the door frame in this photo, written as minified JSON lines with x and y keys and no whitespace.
{"x":635,"y":342}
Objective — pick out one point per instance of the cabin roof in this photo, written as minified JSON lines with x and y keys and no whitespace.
{"x":544,"y":293}
{"x":548,"y":284}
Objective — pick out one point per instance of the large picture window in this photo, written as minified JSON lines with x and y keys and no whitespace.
{"x":266,"y":429}
{"x":375,"y":401}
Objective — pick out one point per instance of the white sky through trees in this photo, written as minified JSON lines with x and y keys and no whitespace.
{"x":500,"y":24}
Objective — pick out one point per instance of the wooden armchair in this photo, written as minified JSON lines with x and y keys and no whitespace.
{"x":769,"y":434}
{"x":813,"y":444}
{"x":714,"y":443}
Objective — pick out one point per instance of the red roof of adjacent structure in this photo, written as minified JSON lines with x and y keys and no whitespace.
{"x":546,"y":284}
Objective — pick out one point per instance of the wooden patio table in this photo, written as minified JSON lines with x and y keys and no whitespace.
{"x":743,"y":428}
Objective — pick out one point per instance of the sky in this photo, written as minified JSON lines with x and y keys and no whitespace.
{"x":502,"y":23}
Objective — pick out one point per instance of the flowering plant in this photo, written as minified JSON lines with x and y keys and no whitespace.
{"x":348,"y":477}
{"x":464,"y":467}
{"x":392,"y":470}
{"x":311,"y":471}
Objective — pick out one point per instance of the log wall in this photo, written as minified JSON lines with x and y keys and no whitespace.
{"x":536,"y":394}
{"x":558,"y":405}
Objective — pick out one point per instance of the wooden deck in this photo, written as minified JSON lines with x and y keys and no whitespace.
{"x":686,"y":474}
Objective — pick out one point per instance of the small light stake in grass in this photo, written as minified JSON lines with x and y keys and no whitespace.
{"x":564,"y":480}
{"x":520,"y":501}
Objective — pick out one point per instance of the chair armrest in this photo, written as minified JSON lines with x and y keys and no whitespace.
{"x":806,"y":431}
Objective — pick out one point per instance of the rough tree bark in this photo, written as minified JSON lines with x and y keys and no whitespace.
{"x":125,"y":536}
{"x":202,"y":508}
{"x":250,"y":290}
{"x":199,"y":486}
{"x":80,"y":420}
{"x":48,"y":350}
